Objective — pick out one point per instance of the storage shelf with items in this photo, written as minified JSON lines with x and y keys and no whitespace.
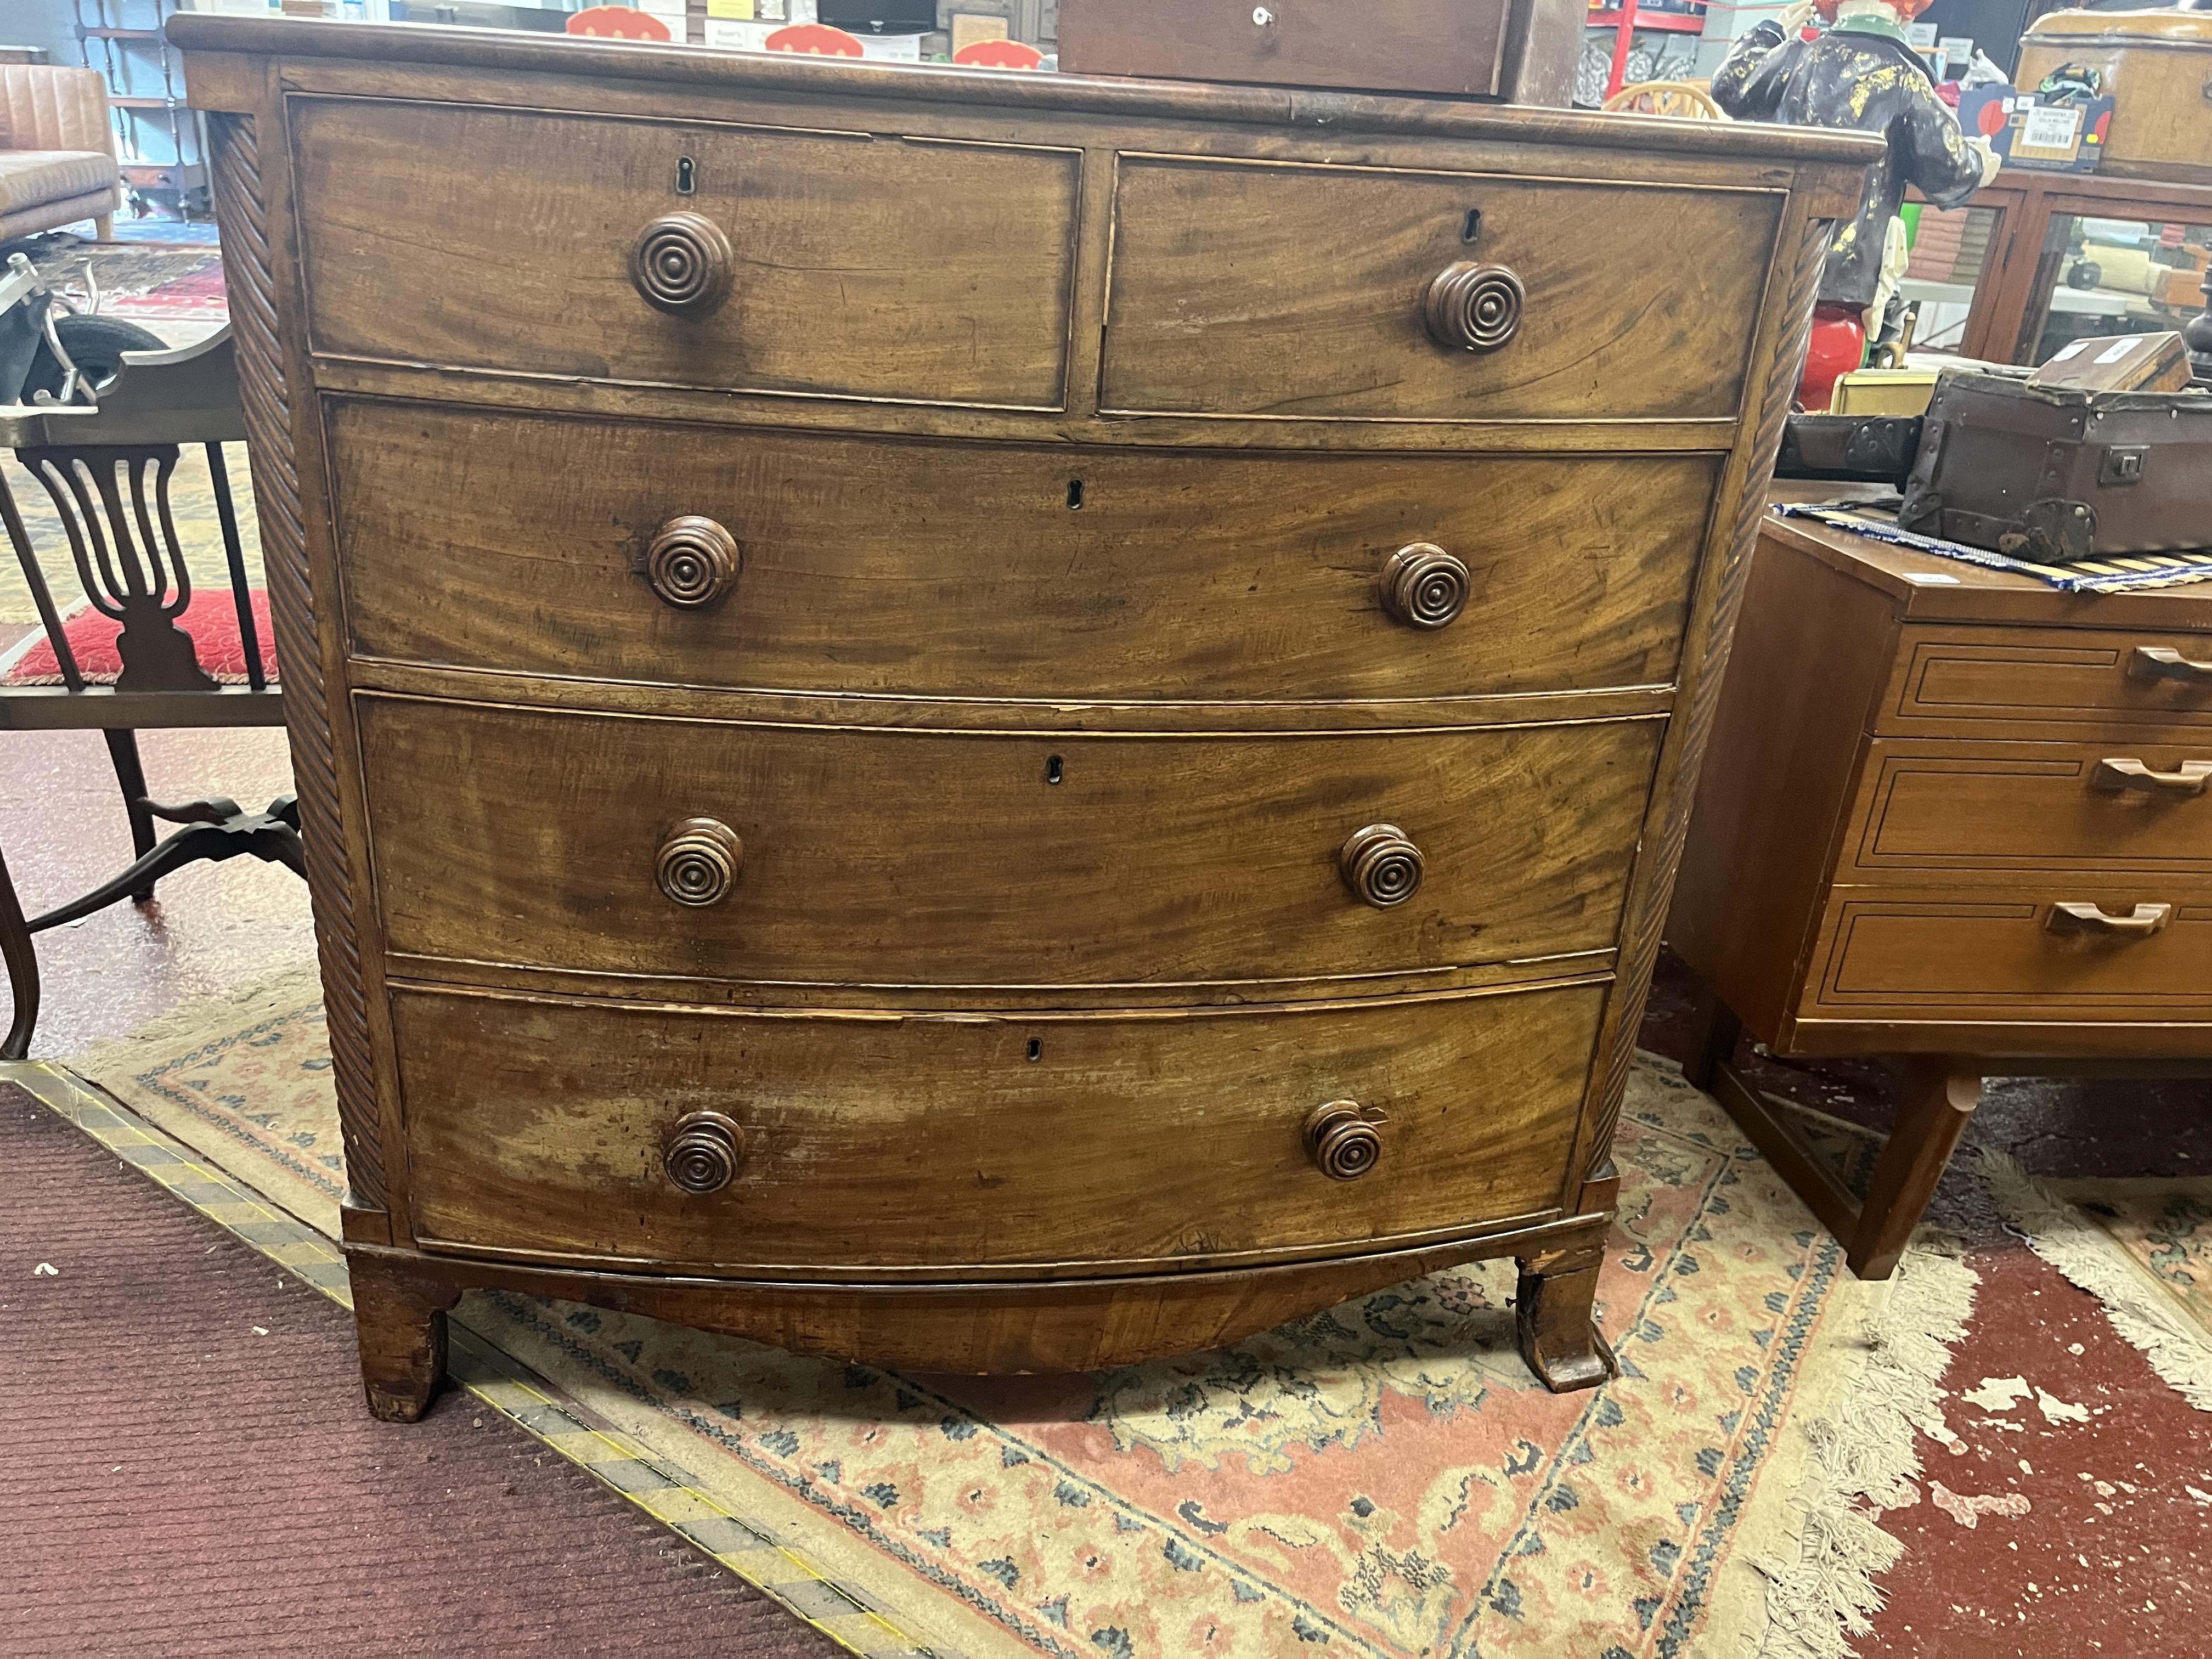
{"x":157,"y":137}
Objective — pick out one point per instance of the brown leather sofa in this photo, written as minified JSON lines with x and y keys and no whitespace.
{"x":57,"y":150}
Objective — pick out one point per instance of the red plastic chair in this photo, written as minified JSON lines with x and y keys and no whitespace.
{"x":816,"y":40}
{"x":999,"y":54}
{"x":618,"y":23}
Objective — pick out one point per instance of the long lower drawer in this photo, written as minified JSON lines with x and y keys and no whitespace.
{"x":706,"y":850}
{"x":956,"y":1146}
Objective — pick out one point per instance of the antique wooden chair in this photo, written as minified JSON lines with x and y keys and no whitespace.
{"x":1685,"y":99}
{"x":141,"y":649}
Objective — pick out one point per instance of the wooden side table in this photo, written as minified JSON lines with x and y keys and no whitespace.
{"x":1954,"y":818}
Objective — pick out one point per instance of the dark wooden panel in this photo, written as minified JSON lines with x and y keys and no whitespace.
{"x":1410,"y":45}
{"x":890,"y":568}
{"x":861,"y":265}
{"x":918,"y":1143}
{"x":1981,"y":812}
{"x":513,"y":836}
{"x":1298,"y":291}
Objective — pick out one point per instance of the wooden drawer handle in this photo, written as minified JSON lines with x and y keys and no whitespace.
{"x":1380,"y":866}
{"x":2141,"y":922}
{"x":699,"y":862}
{"x":692,"y":561}
{"x":1473,"y":307}
{"x":704,"y":1154}
{"x":1342,"y":1141}
{"x":681,"y":263}
{"x":2163,"y":662}
{"x":1423,"y":586}
{"x":2119,"y":772}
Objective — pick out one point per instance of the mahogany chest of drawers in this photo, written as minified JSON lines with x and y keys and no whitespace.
{"x":987,"y":722}
{"x":1952,"y":815}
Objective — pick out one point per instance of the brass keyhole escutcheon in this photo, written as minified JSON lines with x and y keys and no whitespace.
{"x":692,"y":561}
{"x":1342,"y":1141}
{"x":1380,"y":866}
{"x":703,"y":1155}
{"x":699,"y":862}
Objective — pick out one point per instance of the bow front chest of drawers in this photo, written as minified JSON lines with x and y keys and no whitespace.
{"x":985,"y":721}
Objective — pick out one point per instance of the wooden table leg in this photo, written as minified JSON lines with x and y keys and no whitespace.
{"x":1558,"y":1335}
{"x":1940,"y":1094}
{"x":22,"y":960}
{"x":399,"y":1319}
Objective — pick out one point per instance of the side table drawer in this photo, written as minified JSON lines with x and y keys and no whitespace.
{"x":1933,"y":956}
{"x":1949,"y":676}
{"x":550,"y":1128}
{"x":830,"y":264}
{"x":1980,"y":813}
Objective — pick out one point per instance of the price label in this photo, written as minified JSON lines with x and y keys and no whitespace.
{"x":2050,"y":128}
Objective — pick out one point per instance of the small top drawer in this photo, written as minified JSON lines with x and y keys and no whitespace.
{"x":1946,"y":677}
{"x":822,"y":263}
{"x":1322,"y":292}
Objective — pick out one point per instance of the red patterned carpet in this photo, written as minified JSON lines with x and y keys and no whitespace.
{"x":184,"y":1467}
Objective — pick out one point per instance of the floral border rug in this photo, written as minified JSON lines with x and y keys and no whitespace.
{"x":1383,"y":1480}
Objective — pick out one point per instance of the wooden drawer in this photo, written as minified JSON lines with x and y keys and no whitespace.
{"x":857,"y":265}
{"x":916,"y":858}
{"x":2054,"y":676}
{"x":1981,"y":811}
{"x":1064,"y":1143}
{"x":919,"y":568}
{"x":1296,"y":291}
{"x":1929,"y":957}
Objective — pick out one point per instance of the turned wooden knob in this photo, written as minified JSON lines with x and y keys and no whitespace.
{"x":1380,"y":866}
{"x":1423,"y":586}
{"x":704,"y":1154}
{"x":1473,"y":307}
{"x":699,"y":863}
{"x":1342,"y":1143}
{"x":681,"y":263}
{"x":692,"y":561}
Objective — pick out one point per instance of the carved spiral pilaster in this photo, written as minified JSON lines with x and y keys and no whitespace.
{"x":1473,"y":307}
{"x":1654,"y":882}
{"x":249,"y":264}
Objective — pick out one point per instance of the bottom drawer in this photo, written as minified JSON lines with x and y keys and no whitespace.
{"x":969,"y":1145}
{"x":2019,"y":956}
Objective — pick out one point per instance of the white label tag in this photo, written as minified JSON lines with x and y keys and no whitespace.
{"x":2118,"y":350}
{"x":1930,"y":578}
{"x":2074,"y":350}
{"x":2049,"y":128}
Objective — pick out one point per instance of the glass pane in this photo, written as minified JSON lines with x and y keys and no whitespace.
{"x":2117,"y":276}
{"x":1951,"y":249}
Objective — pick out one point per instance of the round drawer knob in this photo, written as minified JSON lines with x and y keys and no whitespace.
{"x":1423,"y":586}
{"x":1472,"y":307}
{"x":1380,"y":866}
{"x":681,"y":263}
{"x":699,"y":863}
{"x":692,"y":561}
{"x":1341,"y":1142}
{"x":704,"y":1154}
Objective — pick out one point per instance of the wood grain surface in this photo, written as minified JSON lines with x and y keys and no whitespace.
{"x":1063,"y":1145}
{"x":2030,"y":678}
{"x":1003,"y":571}
{"x":506,"y":835}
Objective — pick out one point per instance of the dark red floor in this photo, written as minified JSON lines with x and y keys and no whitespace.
{"x":185,"y":1467}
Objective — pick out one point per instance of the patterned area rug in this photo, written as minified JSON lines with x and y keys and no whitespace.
{"x":141,"y":281}
{"x":2143,"y":1247}
{"x":1383,"y":1480}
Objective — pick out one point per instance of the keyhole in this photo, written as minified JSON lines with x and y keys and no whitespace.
{"x":1036,"y":1050}
{"x":1075,"y":494}
{"x":1052,"y":770}
{"x":1472,"y":228}
{"x":687,"y":175}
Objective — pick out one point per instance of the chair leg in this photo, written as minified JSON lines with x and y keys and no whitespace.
{"x":22,"y":960}
{"x":103,"y":227}
{"x":123,"y":750}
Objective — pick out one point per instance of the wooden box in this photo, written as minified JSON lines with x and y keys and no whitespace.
{"x":2157,"y":65}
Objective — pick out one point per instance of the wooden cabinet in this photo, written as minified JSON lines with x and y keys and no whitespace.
{"x":979,"y":720}
{"x":1952,"y":814}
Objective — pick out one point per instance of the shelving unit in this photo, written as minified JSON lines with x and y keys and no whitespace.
{"x":159,"y":140}
{"x":1625,"y":19}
